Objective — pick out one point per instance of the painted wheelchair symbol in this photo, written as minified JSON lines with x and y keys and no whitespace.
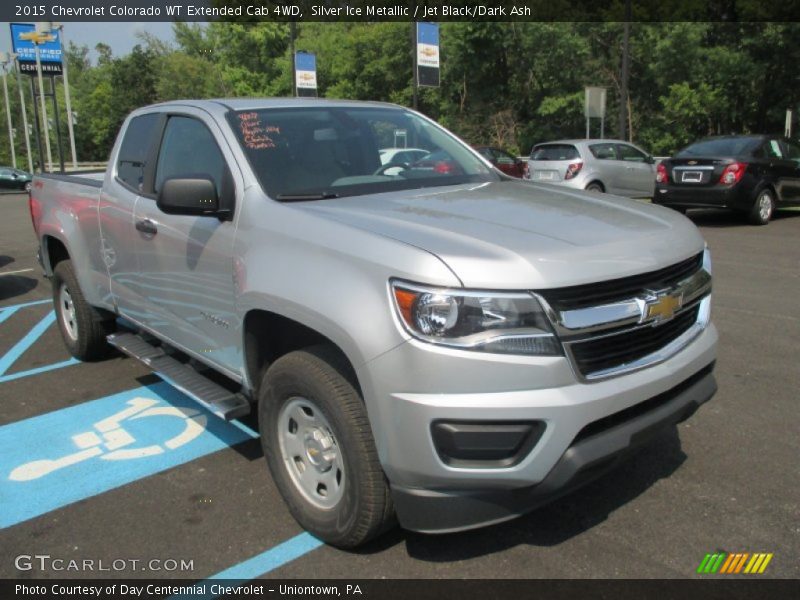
{"x":111,"y":440}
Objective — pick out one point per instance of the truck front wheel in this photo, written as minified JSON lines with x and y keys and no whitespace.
{"x":82,"y":327}
{"x":319,"y":447}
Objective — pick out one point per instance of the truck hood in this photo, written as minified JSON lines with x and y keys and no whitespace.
{"x":520,"y":235}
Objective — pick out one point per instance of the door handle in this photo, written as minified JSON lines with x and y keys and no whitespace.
{"x":146,"y":226}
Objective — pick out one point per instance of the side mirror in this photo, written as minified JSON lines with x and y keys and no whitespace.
{"x":650,"y":160}
{"x":189,"y":196}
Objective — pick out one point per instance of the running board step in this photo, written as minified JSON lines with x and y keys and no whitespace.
{"x":221,"y":402}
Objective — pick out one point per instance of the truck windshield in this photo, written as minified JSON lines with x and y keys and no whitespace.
{"x":315,"y":153}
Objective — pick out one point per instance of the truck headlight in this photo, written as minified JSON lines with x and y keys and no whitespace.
{"x":499,"y":322}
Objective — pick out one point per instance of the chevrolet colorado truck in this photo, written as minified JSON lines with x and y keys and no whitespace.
{"x":429,"y":342}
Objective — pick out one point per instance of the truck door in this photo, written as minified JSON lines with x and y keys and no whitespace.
{"x":186,"y":269}
{"x":118,"y":198}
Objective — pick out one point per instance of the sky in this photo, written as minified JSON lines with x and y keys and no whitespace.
{"x":120,"y":36}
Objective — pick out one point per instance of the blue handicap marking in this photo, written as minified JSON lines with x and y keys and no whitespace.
{"x":22,"y":346}
{"x":55,"y":459}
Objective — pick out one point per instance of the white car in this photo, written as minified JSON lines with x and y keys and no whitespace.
{"x":402,"y":155}
{"x":610,"y":166}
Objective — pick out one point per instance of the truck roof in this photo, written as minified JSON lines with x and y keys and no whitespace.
{"x":237,"y":104}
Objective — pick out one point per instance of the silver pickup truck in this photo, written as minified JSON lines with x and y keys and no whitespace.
{"x":432,"y":342}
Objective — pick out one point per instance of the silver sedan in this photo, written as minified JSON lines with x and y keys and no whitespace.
{"x":610,"y":166}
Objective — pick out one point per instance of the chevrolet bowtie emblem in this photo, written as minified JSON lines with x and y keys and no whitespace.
{"x":662,"y":307}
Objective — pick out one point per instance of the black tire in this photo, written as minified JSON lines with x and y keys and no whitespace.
{"x":318,"y":375}
{"x":84,"y":328}
{"x":763,"y":207}
{"x":595,"y":186}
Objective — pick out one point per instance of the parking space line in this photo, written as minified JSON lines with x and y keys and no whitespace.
{"x":37,"y":370}
{"x":56,"y":459}
{"x":26,"y":342}
{"x":26,"y":304}
{"x":15,"y":272}
{"x":6,"y":313}
{"x":261,"y":564}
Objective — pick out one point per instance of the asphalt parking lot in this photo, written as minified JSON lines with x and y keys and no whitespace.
{"x":199,"y":492}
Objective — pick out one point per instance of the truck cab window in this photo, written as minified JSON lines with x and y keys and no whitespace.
{"x":134,"y":149}
{"x":189,"y":150}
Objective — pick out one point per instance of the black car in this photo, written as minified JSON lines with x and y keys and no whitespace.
{"x":751,"y":174}
{"x":14,"y":179}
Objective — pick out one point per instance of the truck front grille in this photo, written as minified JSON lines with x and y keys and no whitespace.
{"x":621,"y":325}
{"x":599,"y":354}
{"x":594,"y":294}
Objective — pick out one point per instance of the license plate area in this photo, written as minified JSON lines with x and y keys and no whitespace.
{"x":691,"y":177}
{"x":545,"y":175}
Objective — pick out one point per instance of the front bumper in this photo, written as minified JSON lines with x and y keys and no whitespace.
{"x":592,"y":454}
{"x":434,"y":496}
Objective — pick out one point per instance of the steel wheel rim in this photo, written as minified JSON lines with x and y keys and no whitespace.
{"x":764,"y":206}
{"x":66,"y":313}
{"x":310,"y":453}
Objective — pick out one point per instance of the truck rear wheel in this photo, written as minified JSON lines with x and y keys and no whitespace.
{"x":82,"y":327}
{"x":319,"y":447}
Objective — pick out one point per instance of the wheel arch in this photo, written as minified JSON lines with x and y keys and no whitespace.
{"x":596,"y":181}
{"x":269,"y":335}
{"x":54,"y":250}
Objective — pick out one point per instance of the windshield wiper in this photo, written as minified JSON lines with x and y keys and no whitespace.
{"x":303,"y":197}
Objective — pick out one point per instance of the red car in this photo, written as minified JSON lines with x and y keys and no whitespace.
{"x":507,"y":163}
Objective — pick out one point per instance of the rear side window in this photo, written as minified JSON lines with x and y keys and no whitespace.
{"x":134,"y":149}
{"x":603,"y":151}
{"x":793,"y":151}
{"x":504,"y":158}
{"x":772,"y":149}
{"x":554,"y":152}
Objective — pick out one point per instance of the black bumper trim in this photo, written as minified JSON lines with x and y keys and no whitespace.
{"x":445,"y":511}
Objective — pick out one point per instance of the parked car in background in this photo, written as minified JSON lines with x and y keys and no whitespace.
{"x":396,"y":159}
{"x":14,"y":179}
{"x":751,"y":174}
{"x":505,"y":161}
{"x":610,"y":166}
{"x":440,"y":162}
{"x":404,"y":156}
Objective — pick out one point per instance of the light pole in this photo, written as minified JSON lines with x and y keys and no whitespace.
{"x":60,"y":28}
{"x":24,"y":116}
{"x":43,"y":31}
{"x":626,"y":58}
{"x":4,"y":60}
